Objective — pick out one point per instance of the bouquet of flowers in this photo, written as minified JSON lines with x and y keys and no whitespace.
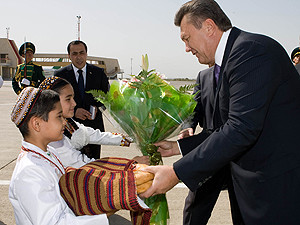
{"x":149,"y":110}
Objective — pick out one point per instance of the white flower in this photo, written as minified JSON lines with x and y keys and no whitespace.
{"x":145,"y":62}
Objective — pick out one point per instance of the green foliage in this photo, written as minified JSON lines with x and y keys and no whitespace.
{"x":187,"y":88}
{"x":98,"y":95}
{"x":149,"y":110}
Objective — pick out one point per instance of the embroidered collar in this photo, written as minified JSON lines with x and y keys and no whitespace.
{"x":33,"y":149}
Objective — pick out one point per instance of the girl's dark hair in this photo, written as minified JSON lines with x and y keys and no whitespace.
{"x":42,"y":107}
{"x":198,"y":11}
{"x":59,"y":84}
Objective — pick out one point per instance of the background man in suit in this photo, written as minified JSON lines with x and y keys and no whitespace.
{"x":200,"y":203}
{"x":256,"y":119}
{"x":295,"y":57}
{"x":204,"y":198}
{"x":204,"y":91}
{"x":84,"y":77}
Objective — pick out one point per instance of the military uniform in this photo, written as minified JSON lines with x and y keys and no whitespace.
{"x":295,"y":52}
{"x":30,"y":74}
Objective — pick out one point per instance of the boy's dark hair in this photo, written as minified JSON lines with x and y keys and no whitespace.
{"x":42,"y":107}
{"x":77,"y":42}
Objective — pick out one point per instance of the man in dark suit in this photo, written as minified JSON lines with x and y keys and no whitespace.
{"x":203,"y":199}
{"x":256,"y":119}
{"x":84,"y":77}
{"x":204,"y":95}
{"x":199,"y":204}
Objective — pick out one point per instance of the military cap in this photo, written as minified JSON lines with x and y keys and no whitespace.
{"x":295,"y":52}
{"x":29,"y":46}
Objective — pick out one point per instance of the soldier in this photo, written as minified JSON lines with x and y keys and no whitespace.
{"x":295,"y":57}
{"x":28,"y":73}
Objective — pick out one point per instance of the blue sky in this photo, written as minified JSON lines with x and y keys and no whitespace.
{"x":127,"y":29}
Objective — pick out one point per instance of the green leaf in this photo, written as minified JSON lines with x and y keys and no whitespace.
{"x":187,"y":88}
{"x":98,"y":95}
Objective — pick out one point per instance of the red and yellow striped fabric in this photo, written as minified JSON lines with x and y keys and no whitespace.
{"x":103,"y":186}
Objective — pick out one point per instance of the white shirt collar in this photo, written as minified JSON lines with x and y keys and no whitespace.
{"x":77,"y":74}
{"x":32,"y":147}
{"x":76,"y":69}
{"x":48,"y":154}
{"x":221,"y":47}
{"x":37,"y":149}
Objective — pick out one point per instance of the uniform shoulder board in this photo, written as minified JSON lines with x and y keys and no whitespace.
{"x":18,"y":66}
{"x":34,"y":63}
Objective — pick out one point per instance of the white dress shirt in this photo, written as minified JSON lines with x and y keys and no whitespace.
{"x":77,"y":74}
{"x":221,"y":48}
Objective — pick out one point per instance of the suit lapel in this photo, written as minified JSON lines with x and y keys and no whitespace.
{"x":213,"y":90}
{"x":89,"y":77}
{"x":74,"y":83}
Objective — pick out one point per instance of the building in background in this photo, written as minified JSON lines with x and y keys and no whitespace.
{"x":10,"y":58}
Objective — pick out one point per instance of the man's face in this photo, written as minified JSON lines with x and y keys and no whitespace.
{"x":29,"y":55}
{"x":296,"y":59}
{"x":78,"y":55}
{"x":196,"y":41}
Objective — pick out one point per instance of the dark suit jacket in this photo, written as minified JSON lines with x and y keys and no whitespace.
{"x":95,"y":79}
{"x":200,"y":203}
{"x":256,"y":116}
{"x":205,"y":99}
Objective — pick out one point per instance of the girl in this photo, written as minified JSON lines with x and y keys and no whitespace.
{"x":77,"y":135}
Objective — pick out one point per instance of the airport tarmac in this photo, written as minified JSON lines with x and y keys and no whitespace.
{"x":10,"y":143}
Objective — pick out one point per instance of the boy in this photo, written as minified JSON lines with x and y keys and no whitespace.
{"x":34,"y":190}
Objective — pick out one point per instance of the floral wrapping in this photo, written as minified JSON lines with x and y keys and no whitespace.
{"x":149,"y":110}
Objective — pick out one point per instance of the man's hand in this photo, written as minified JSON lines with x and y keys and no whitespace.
{"x":167,"y":148}
{"x":83,"y":114}
{"x":186,"y":133}
{"x":164,"y":179}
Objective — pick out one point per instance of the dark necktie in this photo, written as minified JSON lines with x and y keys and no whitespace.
{"x":80,"y":83}
{"x":217,"y":73}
